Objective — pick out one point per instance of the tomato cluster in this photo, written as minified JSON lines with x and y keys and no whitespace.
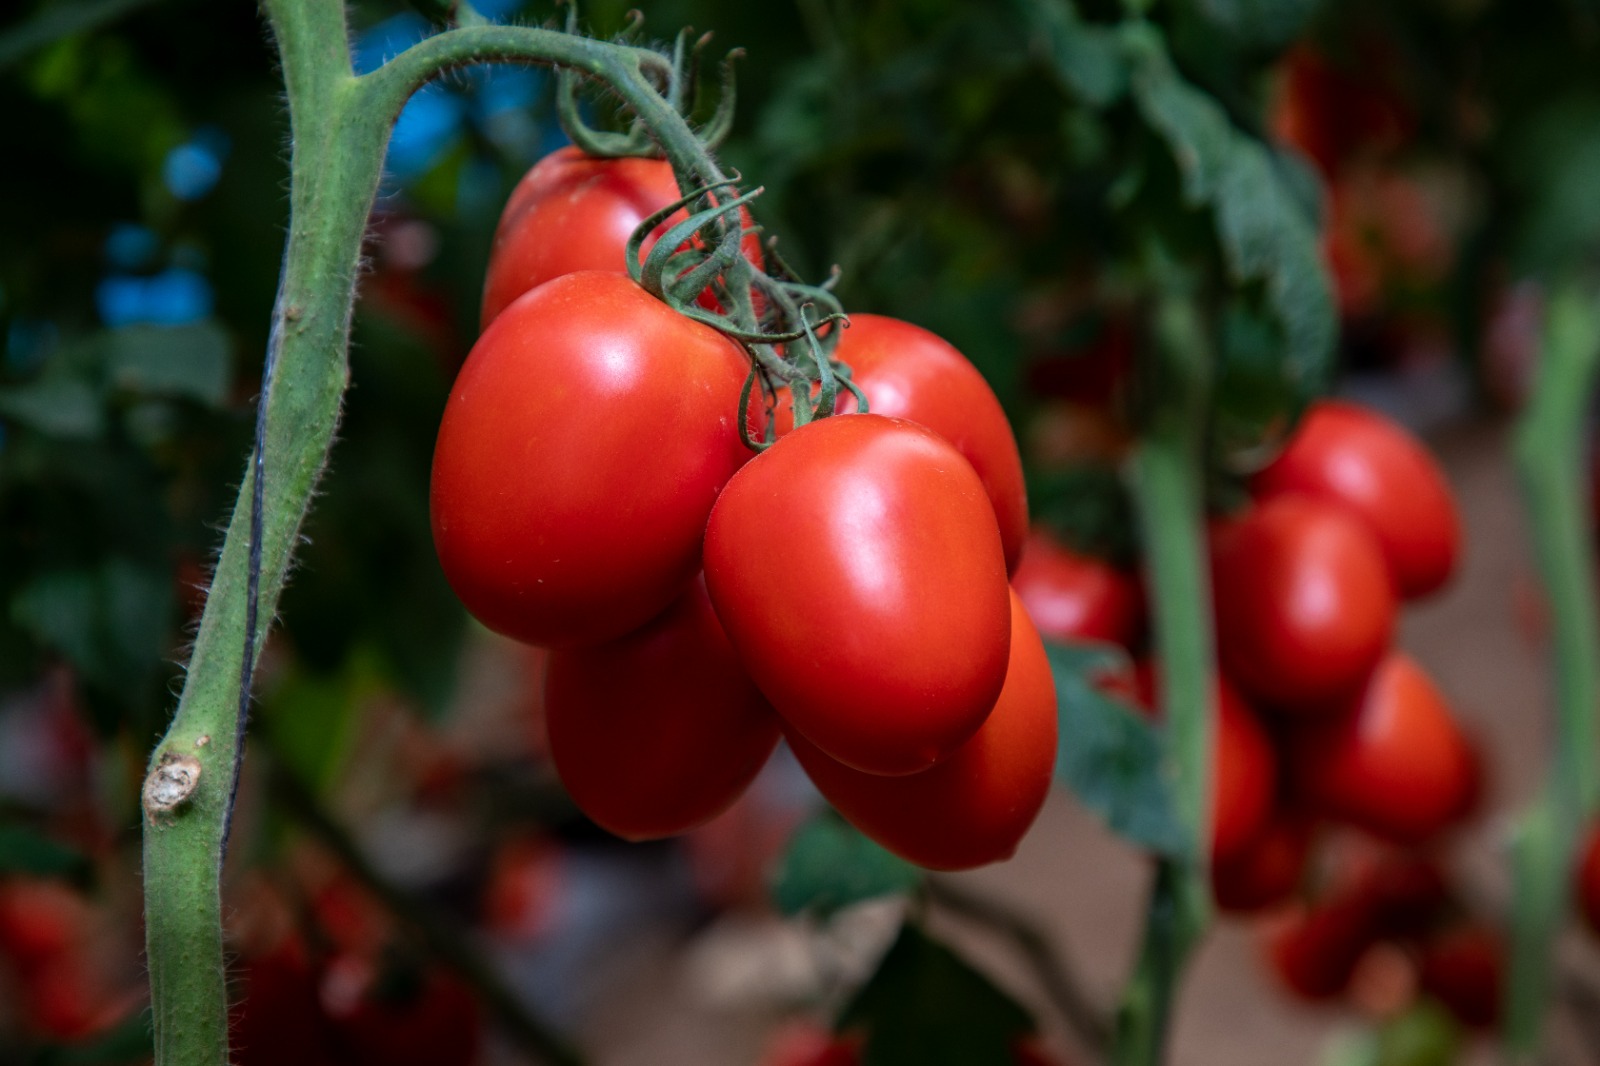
{"x":1320,"y":723}
{"x":847,"y":587}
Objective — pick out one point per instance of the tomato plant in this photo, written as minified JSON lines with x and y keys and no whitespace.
{"x":537,"y":492}
{"x":883,"y":637}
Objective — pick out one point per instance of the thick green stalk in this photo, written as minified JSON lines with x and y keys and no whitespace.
{"x":340,"y":126}
{"x":337,"y":156}
{"x":1550,"y":451}
{"x":1168,"y":493}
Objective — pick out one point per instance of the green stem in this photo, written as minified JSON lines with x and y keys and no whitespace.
{"x":1169,"y":496}
{"x":1550,"y":450}
{"x":443,"y":939}
{"x":340,"y":126}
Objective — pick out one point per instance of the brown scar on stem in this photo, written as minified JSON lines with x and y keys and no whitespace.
{"x":171,"y":784}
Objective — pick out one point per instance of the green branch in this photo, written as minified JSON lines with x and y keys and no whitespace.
{"x":1169,"y":497}
{"x":1550,"y":452}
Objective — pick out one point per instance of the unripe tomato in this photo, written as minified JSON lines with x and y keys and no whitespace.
{"x":857,"y":570}
{"x":973,"y":808}
{"x":908,"y":372}
{"x":1392,"y":762}
{"x":1463,"y":968}
{"x":1268,"y":868}
{"x":1303,"y":603}
{"x":660,"y":730}
{"x":1244,"y":774}
{"x":1379,"y":472}
{"x":1077,"y":597}
{"x":574,"y":212}
{"x":582,"y":447}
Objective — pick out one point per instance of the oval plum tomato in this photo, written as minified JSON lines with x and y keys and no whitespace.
{"x":277,"y":1016}
{"x":1303,"y":603}
{"x":906,"y":371}
{"x":857,"y":570}
{"x":41,"y":920}
{"x":584,"y":442}
{"x":1268,"y":868}
{"x":574,"y":212}
{"x":1373,"y":468}
{"x":1589,"y":880}
{"x":1077,"y":597}
{"x":660,"y":730}
{"x":1463,"y":969}
{"x":1314,"y":951}
{"x":973,"y":808}
{"x":399,"y":1016}
{"x":1245,"y":769}
{"x":1392,"y":762}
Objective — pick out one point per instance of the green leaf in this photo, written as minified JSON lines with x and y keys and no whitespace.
{"x":1257,"y":23}
{"x":925,"y":1006}
{"x":1112,"y":758}
{"x":311,"y":717}
{"x":191,"y":361}
{"x":829,"y":865}
{"x":1262,"y":224}
{"x":1086,"y":59}
{"x":23,"y":851}
{"x":111,"y":622}
{"x":58,"y":407}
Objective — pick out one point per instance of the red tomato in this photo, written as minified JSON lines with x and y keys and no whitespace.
{"x":973,"y":808}
{"x":1245,"y":775}
{"x":277,"y":1016}
{"x":1589,"y":880}
{"x":583,"y":445}
{"x":1077,"y":597}
{"x":1463,"y":968}
{"x":1303,"y":603}
{"x":908,"y":372}
{"x":40,"y":920}
{"x":658,"y":731}
{"x":1380,"y":473}
{"x":1315,"y":950}
{"x":1268,"y":868}
{"x":804,"y":1043}
{"x":574,"y":212}
{"x":1392,"y":762}
{"x":400,"y":1019}
{"x":857,"y":570}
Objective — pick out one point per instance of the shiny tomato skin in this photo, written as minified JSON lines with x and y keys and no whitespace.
{"x":1268,"y":869}
{"x":1077,"y":597}
{"x":1375,"y":469}
{"x":1392,"y":762}
{"x":1244,"y":769}
{"x":973,"y":808}
{"x":909,"y":372}
{"x":574,"y":212}
{"x":1303,"y":604}
{"x":857,"y":570}
{"x":582,"y":447}
{"x":660,"y":730}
